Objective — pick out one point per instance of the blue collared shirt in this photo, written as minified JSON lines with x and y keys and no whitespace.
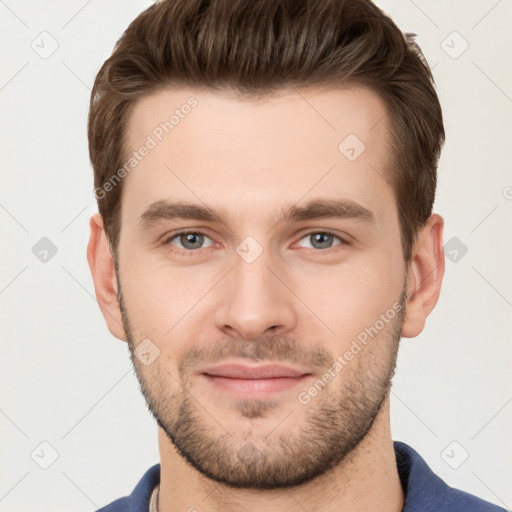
{"x":424,"y":491}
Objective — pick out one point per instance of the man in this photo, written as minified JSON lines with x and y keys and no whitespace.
{"x":265,"y":174}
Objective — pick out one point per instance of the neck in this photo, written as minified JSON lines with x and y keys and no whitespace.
{"x":367,"y":479}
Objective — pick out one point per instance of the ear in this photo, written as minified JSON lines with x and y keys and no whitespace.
{"x":103,"y":273}
{"x":425,"y":275}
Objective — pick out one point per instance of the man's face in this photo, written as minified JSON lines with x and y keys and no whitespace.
{"x":253,"y":286}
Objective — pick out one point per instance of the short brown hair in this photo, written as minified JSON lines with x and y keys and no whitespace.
{"x":259,"y":47}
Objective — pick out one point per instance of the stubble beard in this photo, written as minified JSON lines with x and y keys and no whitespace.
{"x":295,"y":449}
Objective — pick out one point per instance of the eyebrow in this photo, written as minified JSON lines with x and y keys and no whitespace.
{"x":317,"y":209}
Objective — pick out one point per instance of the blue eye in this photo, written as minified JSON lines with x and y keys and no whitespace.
{"x":189,"y":240}
{"x":322,"y":240}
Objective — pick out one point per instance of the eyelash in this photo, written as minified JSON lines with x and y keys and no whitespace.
{"x":170,"y":238}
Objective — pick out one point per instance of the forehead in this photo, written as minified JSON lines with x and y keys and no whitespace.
{"x":248,"y":155}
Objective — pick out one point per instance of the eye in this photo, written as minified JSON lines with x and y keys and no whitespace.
{"x":188,"y":240}
{"x":191,"y":241}
{"x":323,"y":240}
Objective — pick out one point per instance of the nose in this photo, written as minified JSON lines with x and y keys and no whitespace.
{"x":254,"y":300}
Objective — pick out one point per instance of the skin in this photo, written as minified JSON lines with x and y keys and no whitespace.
{"x":295,"y":303}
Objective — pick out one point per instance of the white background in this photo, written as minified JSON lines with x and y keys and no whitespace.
{"x":66,"y":381}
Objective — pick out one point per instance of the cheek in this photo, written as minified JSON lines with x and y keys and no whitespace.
{"x":160,"y":299}
{"x":351,"y":298}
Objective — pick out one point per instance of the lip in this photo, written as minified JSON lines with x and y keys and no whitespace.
{"x":253,"y":381}
{"x":266,"y":371}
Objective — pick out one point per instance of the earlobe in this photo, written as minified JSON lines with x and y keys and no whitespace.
{"x":102,"y":269}
{"x":425,"y":275}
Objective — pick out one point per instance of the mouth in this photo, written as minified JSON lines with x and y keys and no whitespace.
{"x":253,"y":381}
